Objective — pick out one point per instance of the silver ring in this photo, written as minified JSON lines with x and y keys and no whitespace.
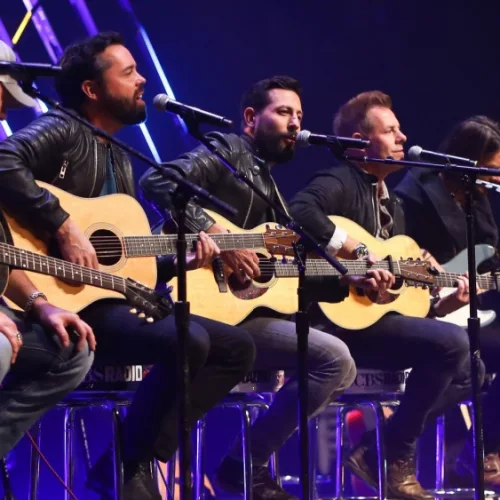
{"x":19,"y":337}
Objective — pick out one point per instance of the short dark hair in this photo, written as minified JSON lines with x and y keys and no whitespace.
{"x":476,"y":138}
{"x":80,"y":62}
{"x":257,"y":97}
{"x":351,"y":117}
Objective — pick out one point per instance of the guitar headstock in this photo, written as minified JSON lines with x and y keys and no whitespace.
{"x":418,"y":271}
{"x":280,"y":240}
{"x":147,"y":302}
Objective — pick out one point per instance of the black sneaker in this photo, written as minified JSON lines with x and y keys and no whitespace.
{"x":229,"y":477}
{"x":139,"y":483}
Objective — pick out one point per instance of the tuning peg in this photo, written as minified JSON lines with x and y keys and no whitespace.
{"x":141,"y":315}
{"x":150,"y":319}
{"x":133,"y":310}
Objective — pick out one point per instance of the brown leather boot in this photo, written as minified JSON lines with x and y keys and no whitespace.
{"x":401,"y":479}
{"x":492,"y":470}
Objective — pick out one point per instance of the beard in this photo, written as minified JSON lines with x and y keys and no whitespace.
{"x":124,"y":110}
{"x":272,"y":149}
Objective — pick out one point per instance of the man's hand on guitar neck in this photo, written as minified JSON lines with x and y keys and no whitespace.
{"x":75,"y":246}
{"x":244,"y":263}
{"x":206,"y":251}
{"x":377,"y":280}
{"x":459,"y":298}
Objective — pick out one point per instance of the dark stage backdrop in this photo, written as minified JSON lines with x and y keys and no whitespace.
{"x":438,"y":60}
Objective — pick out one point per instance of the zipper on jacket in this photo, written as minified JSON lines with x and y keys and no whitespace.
{"x":251,"y":203}
{"x":64,"y":167}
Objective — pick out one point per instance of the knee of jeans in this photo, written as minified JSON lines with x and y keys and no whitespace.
{"x":243,"y":350}
{"x":79,"y":365}
{"x":5,"y":356}
{"x":455,"y":347}
{"x":198,"y":345}
{"x":336,"y":360}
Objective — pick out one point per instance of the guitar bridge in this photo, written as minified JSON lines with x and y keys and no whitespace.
{"x":219,"y":274}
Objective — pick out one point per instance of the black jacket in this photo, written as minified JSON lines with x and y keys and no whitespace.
{"x":436,"y":221}
{"x":206,"y":170}
{"x":56,"y":149}
{"x":347,"y":191}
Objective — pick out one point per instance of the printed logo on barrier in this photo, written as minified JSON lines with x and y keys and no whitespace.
{"x":115,"y":377}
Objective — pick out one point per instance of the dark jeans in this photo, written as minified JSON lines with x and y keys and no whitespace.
{"x":220,"y":355}
{"x":490,"y":353}
{"x":437,"y":353}
{"x":43,"y":374}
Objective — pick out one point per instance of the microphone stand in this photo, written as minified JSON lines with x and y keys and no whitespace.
{"x":302,"y":320}
{"x":185,"y":190}
{"x":469,"y":179}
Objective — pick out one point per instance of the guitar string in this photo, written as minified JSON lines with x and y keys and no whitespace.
{"x":67,"y":268}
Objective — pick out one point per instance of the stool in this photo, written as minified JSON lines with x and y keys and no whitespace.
{"x":440,"y":463}
{"x":109,"y":387}
{"x":373,"y":389}
{"x":252,"y":395}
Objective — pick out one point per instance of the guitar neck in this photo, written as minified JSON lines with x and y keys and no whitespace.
{"x":318,"y":267}
{"x":449,"y":280}
{"x":31,"y":261}
{"x":147,"y":246}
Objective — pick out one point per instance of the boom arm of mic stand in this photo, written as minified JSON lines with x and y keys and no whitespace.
{"x":188,"y":187}
{"x":445,"y":167}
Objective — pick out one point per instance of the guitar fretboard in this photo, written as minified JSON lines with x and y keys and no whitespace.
{"x":317,"y":267}
{"x":450,"y":280}
{"x":143,"y":246}
{"x":31,"y":261}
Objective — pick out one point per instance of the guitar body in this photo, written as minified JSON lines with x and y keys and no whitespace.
{"x":109,"y":216}
{"x":361,"y":310}
{"x":459,"y":265}
{"x":219,"y":296}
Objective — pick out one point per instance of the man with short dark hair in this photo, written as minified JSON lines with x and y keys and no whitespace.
{"x":271,"y":118}
{"x":99,"y":79}
{"x":438,"y":353}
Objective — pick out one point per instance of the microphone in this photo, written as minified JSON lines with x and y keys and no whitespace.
{"x":162,"y":102}
{"x":306,"y":138}
{"x":416,"y":153}
{"x":20,"y":71}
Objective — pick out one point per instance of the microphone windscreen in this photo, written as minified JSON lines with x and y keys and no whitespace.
{"x":414,"y":153}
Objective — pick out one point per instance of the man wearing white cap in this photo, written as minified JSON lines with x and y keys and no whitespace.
{"x":11,"y":94}
{"x":46,"y":352}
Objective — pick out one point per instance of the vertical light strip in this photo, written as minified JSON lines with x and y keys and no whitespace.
{"x":4,"y":35}
{"x":42,"y":25}
{"x":144,"y":37}
{"x":6,"y":129}
{"x":83,"y":11}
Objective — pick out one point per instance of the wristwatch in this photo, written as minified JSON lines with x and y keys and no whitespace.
{"x":361,"y":251}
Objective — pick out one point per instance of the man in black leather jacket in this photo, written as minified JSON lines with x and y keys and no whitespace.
{"x":272,"y":115}
{"x":438,"y":353}
{"x":99,"y":79}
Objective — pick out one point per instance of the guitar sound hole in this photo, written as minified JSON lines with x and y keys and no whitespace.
{"x":247,"y":290}
{"x":108,"y":247}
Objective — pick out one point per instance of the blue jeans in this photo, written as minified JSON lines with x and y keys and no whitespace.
{"x":437,"y":353}
{"x":331,"y":370}
{"x":42,"y":375}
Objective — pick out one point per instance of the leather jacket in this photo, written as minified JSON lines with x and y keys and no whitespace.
{"x":206,"y":170}
{"x":56,"y":149}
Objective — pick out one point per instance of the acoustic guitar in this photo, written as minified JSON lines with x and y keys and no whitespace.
{"x":118,"y":228}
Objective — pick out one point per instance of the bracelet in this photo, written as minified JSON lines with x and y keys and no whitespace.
{"x":31,"y":300}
